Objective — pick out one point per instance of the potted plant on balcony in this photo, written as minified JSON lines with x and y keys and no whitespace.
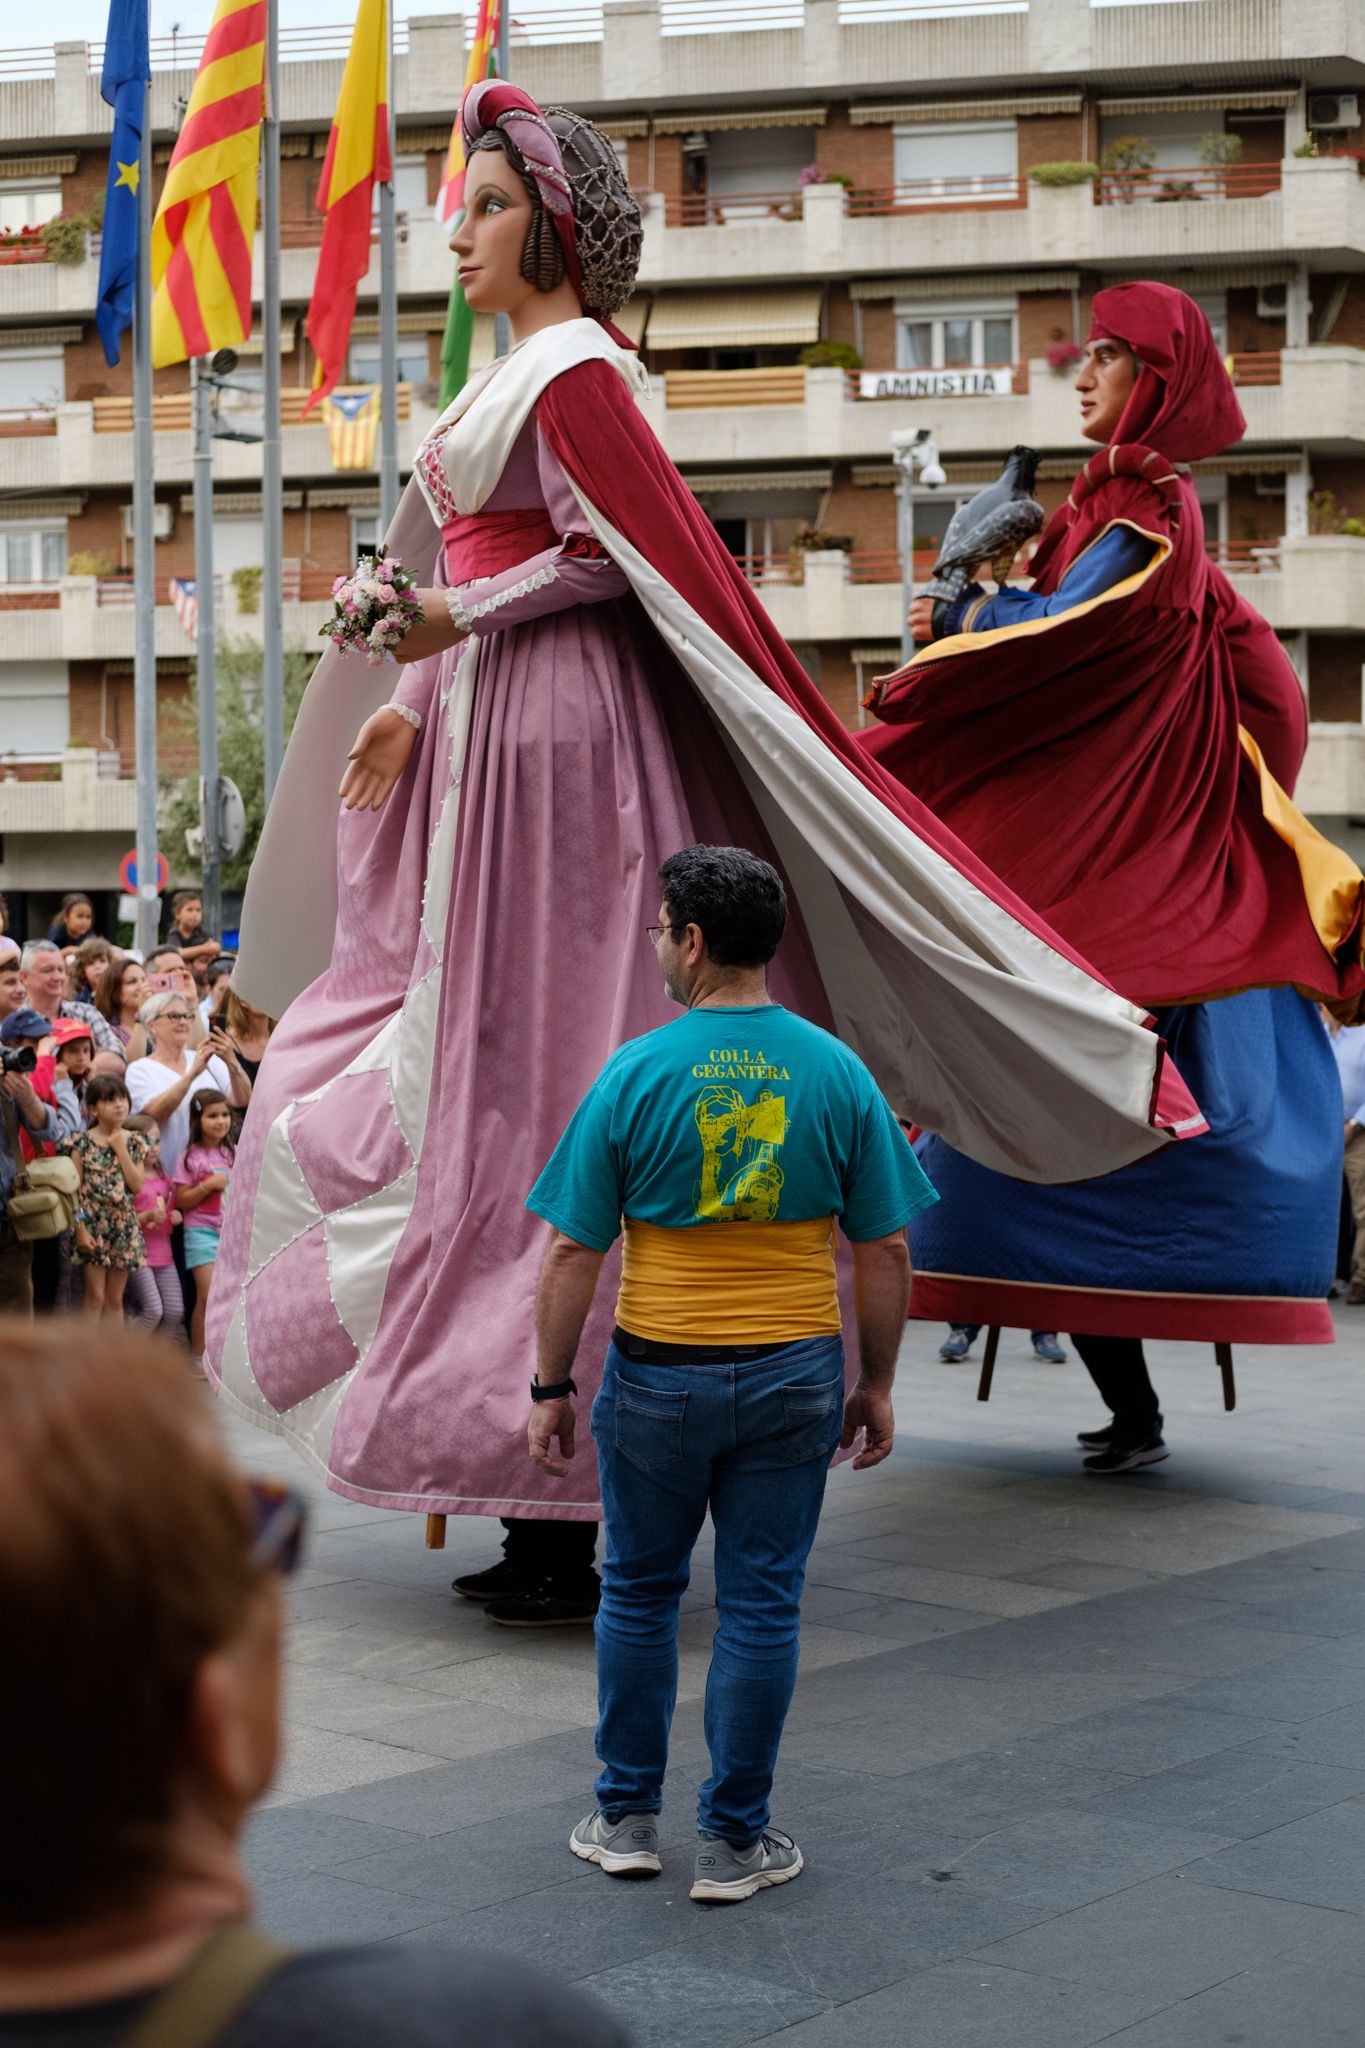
{"x":1063,"y":356}
{"x":1067,"y":171}
{"x":830,"y":355}
{"x":246,"y":584}
{"x":815,"y":540}
{"x":66,"y":237}
{"x":1127,"y":163}
{"x":1219,"y":151}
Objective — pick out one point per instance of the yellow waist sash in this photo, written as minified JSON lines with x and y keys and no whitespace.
{"x":729,"y":1283}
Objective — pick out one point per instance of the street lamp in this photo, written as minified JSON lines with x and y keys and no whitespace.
{"x":914,"y":453}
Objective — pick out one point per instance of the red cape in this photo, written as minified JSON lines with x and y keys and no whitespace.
{"x":1095,"y":760}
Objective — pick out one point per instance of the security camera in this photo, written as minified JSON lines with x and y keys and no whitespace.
{"x":932,"y":476}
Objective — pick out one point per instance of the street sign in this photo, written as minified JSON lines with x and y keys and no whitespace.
{"x":127,"y":872}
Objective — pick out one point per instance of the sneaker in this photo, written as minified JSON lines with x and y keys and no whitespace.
{"x":725,"y":1874}
{"x":1127,"y":1457}
{"x":545,"y":1606}
{"x":628,"y":1848}
{"x":954,"y":1349}
{"x":1096,"y":1439}
{"x":502,"y":1581}
{"x":1046,"y":1347}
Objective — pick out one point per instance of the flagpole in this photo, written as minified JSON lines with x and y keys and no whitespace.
{"x":388,"y":318}
{"x":148,"y":920}
{"x":206,"y":666}
{"x":272,"y":465}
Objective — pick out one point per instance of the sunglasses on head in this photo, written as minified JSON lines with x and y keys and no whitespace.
{"x":279,"y":1517}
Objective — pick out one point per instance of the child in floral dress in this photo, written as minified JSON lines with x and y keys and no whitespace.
{"x":110,"y":1162}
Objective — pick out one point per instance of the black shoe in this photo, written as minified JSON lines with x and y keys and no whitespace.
{"x":1096,"y":1439}
{"x":546,"y":1606}
{"x":1128,"y":1457}
{"x":504,"y":1580}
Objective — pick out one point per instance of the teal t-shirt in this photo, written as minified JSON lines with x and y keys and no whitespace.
{"x":732,"y":1116}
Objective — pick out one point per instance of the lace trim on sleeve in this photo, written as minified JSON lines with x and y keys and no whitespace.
{"x":459,"y":617}
{"x":414,"y":718}
{"x":538,"y":580}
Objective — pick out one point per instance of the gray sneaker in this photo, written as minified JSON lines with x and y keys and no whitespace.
{"x":725,"y":1873}
{"x":629,"y":1849}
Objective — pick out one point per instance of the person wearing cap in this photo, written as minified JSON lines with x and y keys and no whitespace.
{"x":73,"y":1064}
{"x":28,"y":1121}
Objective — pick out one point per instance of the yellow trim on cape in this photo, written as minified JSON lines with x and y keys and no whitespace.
{"x":1332,"y":883}
{"x":960,"y":643}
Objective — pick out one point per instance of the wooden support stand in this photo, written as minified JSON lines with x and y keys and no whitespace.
{"x":1223,"y":1354}
{"x":983,"y":1385}
{"x":436,"y":1532}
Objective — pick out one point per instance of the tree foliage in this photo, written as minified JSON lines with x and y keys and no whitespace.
{"x":240,"y":750}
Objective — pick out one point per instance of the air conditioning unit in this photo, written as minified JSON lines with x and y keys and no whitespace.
{"x":163,"y":519}
{"x":1270,"y":484}
{"x":1333,"y":110}
{"x":1272,"y":301}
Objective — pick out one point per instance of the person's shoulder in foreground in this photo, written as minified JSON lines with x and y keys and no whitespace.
{"x":368,"y":1998}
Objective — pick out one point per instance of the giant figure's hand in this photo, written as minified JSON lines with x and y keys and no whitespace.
{"x":381,"y":752}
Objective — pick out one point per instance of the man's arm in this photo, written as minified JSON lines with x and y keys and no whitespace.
{"x":40,"y":1118}
{"x":881,"y":1268}
{"x":568,"y":1281}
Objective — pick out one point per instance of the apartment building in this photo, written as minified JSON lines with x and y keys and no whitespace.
{"x":862,"y":216}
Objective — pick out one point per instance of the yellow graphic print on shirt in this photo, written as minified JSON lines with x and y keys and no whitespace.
{"x":741,"y":1180}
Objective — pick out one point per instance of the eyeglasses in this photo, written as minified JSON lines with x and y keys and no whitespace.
{"x":176,"y":1016}
{"x":654,"y":932}
{"x":279,"y":1517}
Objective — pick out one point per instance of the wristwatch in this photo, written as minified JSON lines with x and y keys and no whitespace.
{"x":558,"y":1392}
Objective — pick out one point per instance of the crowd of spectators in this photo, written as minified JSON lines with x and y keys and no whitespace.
{"x":139,"y":1071}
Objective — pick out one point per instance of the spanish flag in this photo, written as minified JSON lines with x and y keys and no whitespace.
{"x":206,"y":221}
{"x":357,"y":159}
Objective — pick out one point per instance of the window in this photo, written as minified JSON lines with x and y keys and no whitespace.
{"x":35,"y":715}
{"x":365,"y":364}
{"x":409,"y":186}
{"x":763,"y":160}
{"x":956,"y":162}
{"x":238,"y":543}
{"x":27,"y":206}
{"x":762,"y":524}
{"x":364,"y":532}
{"x":961,"y":337}
{"x":33,"y":554}
{"x":32,"y":379}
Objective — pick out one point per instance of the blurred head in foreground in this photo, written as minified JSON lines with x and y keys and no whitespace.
{"x":139,"y":1711}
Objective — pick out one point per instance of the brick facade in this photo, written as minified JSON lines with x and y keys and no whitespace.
{"x":1334,"y":676}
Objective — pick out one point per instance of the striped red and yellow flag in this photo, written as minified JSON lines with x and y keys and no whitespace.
{"x":450,"y":198}
{"x":357,"y":159}
{"x":352,"y":418}
{"x":206,"y":221}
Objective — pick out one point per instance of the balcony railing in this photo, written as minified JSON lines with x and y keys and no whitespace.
{"x":1201,"y":181}
{"x":1244,"y":557}
{"x":986,"y":190}
{"x":722,"y":209}
{"x":171,"y":412}
{"x":1261,"y":367}
{"x":23,"y":245}
{"x":23,"y":420}
{"x":30,"y":597}
{"x":304,"y":230}
{"x":686,"y":390}
{"x":769,"y":568}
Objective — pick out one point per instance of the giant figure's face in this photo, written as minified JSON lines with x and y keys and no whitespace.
{"x":1105,"y":379}
{"x":492,"y":235}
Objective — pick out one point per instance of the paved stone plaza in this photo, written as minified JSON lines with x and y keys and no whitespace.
{"x":1071,"y":1760}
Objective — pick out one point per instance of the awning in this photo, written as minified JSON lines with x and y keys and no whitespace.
{"x":713,"y":123}
{"x":706,"y":481}
{"x":736,"y":319}
{"x":40,"y":337}
{"x":877,"y":657}
{"x":955,"y":284}
{"x":1235,"y":99}
{"x":914,"y":112}
{"x":53,"y":505}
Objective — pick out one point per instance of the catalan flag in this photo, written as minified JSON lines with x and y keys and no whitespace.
{"x":459,"y":331}
{"x":206,"y":221}
{"x":123,"y":83}
{"x":351,"y":418}
{"x":358,"y":158}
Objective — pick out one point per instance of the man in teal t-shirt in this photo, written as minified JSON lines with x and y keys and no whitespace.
{"x":729,"y":1147}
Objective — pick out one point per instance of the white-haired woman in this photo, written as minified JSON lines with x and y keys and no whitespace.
{"x":163,"y":1084}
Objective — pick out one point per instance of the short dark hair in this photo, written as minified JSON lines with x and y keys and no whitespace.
{"x":106,"y":1088}
{"x":184,"y":896}
{"x":735,"y":899}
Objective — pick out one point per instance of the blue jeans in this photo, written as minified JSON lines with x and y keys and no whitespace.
{"x":754,"y":1437}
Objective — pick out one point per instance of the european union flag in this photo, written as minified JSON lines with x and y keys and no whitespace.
{"x":123,"y":83}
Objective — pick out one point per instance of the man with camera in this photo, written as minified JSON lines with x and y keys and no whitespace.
{"x":22,"y":1032}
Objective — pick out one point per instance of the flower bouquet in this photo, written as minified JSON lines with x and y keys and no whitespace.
{"x":373,"y":607}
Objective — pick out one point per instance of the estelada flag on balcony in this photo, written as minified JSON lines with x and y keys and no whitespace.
{"x":352,"y":418}
{"x":482,"y":64}
{"x":206,"y":220}
{"x":357,"y":159}
{"x":123,"y":83}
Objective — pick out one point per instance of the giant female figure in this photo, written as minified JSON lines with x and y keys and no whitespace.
{"x":456,"y":952}
{"x":1121,"y":743}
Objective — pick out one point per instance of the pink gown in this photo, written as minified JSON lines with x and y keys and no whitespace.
{"x":392,"y":1228}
